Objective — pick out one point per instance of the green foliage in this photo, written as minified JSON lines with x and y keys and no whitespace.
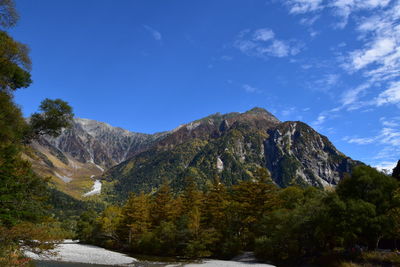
{"x":24,"y":215}
{"x":286,"y":226}
{"x":12,"y":125}
{"x":55,"y":115}
{"x":8,"y":14}
{"x":370,"y":197}
{"x":14,"y":64}
{"x":363,"y":209}
{"x":86,"y":226}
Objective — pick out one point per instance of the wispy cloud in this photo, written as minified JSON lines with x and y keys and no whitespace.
{"x":340,"y":8}
{"x":360,"y":141}
{"x":326,"y":83}
{"x":320,"y":120}
{"x":390,"y":96}
{"x":386,"y":166}
{"x":288,"y":111}
{"x":250,"y":89}
{"x":351,"y":96}
{"x":263,"y":43}
{"x":377,"y":59}
{"x":303,"y":6}
{"x":388,"y":137}
{"x":155,"y":34}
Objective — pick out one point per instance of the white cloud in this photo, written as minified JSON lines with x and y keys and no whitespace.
{"x":386,"y":166}
{"x":325,"y":84}
{"x":351,"y":96}
{"x":390,"y":96}
{"x":344,"y":8}
{"x":250,"y":89}
{"x":388,"y":136}
{"x":288,"y":111}
{"x":262,"y":43}
{"x":393,"y":122}
{"x":263,"y":35}
{"x":341,"y":8}
{"x":376,"y":53}
{"x":277,"y":48}
{"x":303,"y":6}
{"x":387,"y":140}
{"x":226,"y":58}
{"x":321,"y":119}
{"x":378,"y":57}
{"x":360,"y":141}
{"x":308,"y":21}
{"x":156,"y":34}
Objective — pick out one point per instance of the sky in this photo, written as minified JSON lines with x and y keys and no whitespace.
{"x":151,"y":65}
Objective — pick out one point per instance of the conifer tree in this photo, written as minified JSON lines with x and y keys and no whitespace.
{"x":163,"y":205}
{"x":137,"y":218}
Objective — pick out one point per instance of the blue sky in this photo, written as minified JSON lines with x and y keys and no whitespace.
{"x":150,"y":65}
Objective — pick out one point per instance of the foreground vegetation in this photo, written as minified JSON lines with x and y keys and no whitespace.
{"x":286,"y":226}
{"x":25,"y":220}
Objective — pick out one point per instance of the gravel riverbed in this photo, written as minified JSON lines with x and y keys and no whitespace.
{"x":71,"y":253}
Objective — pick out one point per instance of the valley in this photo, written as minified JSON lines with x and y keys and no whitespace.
{"x":231,"y":146}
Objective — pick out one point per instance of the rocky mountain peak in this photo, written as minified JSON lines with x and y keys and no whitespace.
{"x":96,"y":128}
{"x":232,"y":146}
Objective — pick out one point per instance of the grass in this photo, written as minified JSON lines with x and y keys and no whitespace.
{"x":365,"y":259}
{"x":79,"y":172}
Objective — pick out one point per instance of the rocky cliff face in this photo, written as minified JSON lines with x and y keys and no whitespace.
{"x":100,"y":143}
{"x":85,"y":150}
{"x":296,"y":154}
{"x":231,"y":146}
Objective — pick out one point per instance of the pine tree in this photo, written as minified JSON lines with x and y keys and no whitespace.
{"x":163,"y":208}
{"x":137,"y":220}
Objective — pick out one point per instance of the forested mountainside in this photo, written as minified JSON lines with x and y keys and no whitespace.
{"x":231,"y":146}
{"x":84,"y":151}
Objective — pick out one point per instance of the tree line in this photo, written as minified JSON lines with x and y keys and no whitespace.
{"x":24,"y":217}
{"x":289,"y":225}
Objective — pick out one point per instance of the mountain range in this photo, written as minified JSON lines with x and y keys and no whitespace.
{"x":230,"y":146}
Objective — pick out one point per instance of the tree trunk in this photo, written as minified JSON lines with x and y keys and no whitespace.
{"x":377,"y":242}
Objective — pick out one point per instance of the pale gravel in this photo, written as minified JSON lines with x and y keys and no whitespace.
{"x":71,"y":251}
{"x":96,"y":189}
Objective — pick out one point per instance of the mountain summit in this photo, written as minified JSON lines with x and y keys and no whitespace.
{"x":232,"y":146}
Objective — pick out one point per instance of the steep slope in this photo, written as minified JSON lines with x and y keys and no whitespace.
{"x":84,"y":151}
{"x":296,"y":154}
{"x":233,"y":146}
{"x":100,"y":143}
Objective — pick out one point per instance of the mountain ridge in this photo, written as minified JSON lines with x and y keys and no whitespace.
{"x":232,"y":145}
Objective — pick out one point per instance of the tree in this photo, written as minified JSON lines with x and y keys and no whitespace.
{"x":55,"y":115}
{"x":15,"y":64}
{"x":137,"y":220}
{"x":163,"y":209}
{"x":369,"y":196}
{"x":22,"y":192}
{"x":289,"y":232}
{"x":109,"y":222}
{"x":396,"y":171}
{"x":85,"y":227}
{"x":250,"y":201}
{"x":8,"y":14}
